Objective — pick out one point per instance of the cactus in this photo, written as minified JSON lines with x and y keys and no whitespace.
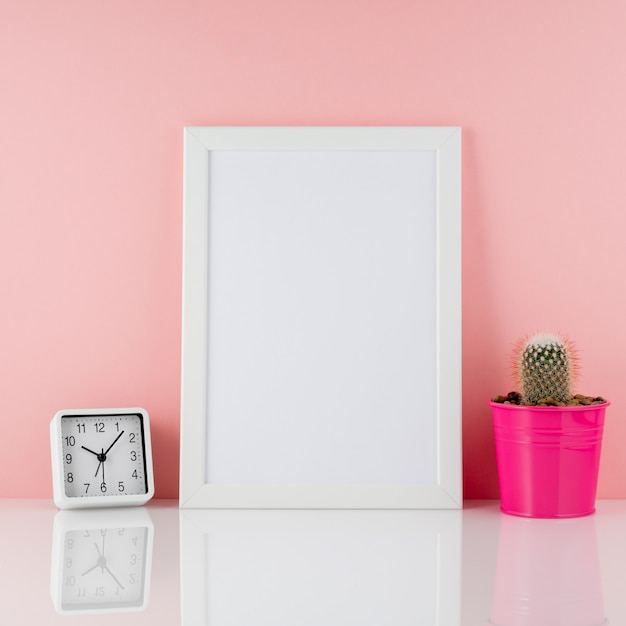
{"x":546,"y":368}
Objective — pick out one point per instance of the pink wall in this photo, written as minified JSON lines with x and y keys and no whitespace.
{"x":95,"y":96}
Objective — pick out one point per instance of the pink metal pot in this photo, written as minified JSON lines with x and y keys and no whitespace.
{"x":548,"y":458}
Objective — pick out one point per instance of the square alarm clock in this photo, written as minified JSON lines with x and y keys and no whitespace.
{"x":101,"y":458}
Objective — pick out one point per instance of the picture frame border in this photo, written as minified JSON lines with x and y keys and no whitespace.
{"x":199,"y":142}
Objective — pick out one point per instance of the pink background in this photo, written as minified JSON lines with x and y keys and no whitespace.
{"x":94,"y":98}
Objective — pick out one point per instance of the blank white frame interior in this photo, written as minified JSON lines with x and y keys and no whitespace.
{"x":321,"y":363}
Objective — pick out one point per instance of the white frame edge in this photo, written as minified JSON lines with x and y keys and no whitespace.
{"x":198,"y":142}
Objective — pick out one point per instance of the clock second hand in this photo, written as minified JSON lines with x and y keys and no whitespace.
{"x":102,"y":560}
{"x":102,"y":455}
{"x":102,"y":458}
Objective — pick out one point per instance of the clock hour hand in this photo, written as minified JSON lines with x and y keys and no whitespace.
{"x":88,"y":450}
{"x":90,"y":569}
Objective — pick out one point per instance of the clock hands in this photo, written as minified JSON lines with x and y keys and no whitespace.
{"x":102,"y":562}
{"x":114,"y":442}
{"x":102,"y":455}
{"x":119,"y":584}
{"x":90,"y":569}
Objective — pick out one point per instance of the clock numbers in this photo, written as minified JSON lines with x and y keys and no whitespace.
{"x":103,"y":455}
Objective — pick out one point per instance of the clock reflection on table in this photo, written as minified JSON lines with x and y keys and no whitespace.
{"x":101,"y":560}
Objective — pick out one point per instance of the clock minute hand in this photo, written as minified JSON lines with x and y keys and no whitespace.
{"x":114,"y":442}
{"x":113,"y":576}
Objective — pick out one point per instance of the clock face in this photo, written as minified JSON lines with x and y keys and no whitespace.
{"x":103,"y":455}
{"x":104,"y":569}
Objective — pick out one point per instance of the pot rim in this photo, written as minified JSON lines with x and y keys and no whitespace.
{"x":526,"y":407}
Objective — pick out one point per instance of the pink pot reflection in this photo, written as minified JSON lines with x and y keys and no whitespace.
{"x":548,"y":573}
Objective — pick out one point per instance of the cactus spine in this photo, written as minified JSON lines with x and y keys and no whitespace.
{"x":546,"y":368}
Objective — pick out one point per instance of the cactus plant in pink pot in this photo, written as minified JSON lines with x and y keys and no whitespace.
{"x":548,"y":439}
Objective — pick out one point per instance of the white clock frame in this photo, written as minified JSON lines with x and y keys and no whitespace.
{"x":63,"y":501}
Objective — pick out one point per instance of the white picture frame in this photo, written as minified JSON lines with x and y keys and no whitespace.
{"x":321,"y":330}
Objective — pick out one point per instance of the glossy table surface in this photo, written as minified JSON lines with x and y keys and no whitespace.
{"x":160,"y":565}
